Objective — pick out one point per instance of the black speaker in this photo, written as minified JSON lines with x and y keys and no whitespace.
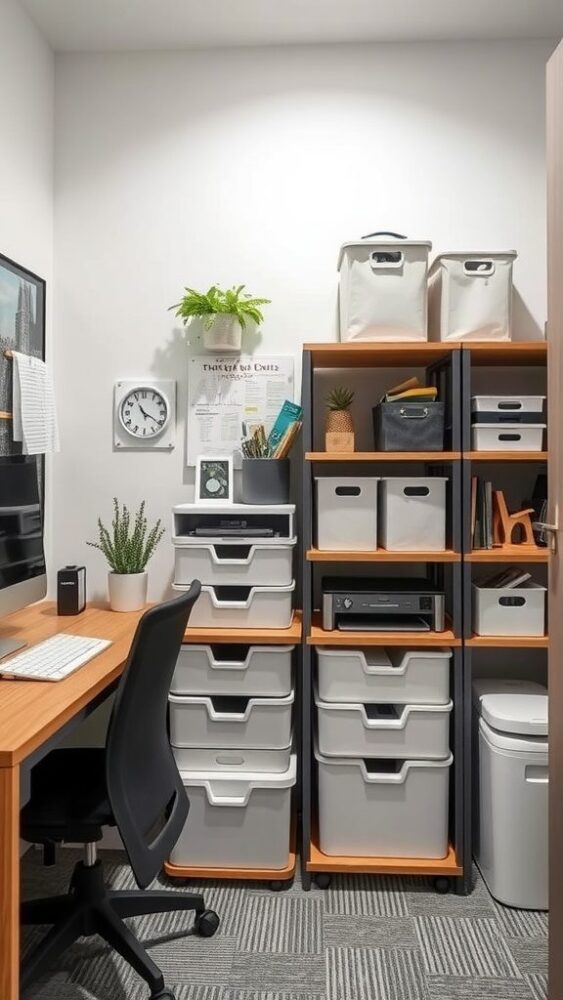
{"x":71,"y":590}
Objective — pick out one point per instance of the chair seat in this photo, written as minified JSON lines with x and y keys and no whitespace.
{"x":69,"y":799}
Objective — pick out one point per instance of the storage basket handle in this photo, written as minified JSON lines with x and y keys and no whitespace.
{"x":510,"y":437}
{"x":216,"y":799}
{"x":512,"y":601}
{"x":479,"y":268}
{"x":347,"y":491}
{"x":416,"y":491}
{"x":414,"y":414}
{"x":510,"y":404}
{"x":385,"y":232}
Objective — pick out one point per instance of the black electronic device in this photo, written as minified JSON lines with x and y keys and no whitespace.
{"x":71,"y":590}
{"x":378,"y":604}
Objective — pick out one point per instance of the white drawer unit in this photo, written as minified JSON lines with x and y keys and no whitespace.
{"x":470,"y":295}
{"x":393,"y":676}
{"x":195,"y":523}
{"x":509,"y":610}
{"x":413,"y":513}
{"x":242,"y":607}
{"x":230,"y":723}
{"x":232,"y":761}
{"x":240,"y":820}
{"x":499,"y":437}
{"x":398,"y":731}
{"x":346,"y":512}
{"x":386,"y":809}
{"x":234,"y":563}
{"x":234,"y":670}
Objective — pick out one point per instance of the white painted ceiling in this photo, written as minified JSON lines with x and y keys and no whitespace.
{"x":96,"y":25}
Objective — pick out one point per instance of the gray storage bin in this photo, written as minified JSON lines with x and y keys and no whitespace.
{"x":232,"y":761}
{"x":230,"y":723}
{"x":386,"y":809}
{"x":236,"y":820}
{"x":235,"y":563}
{"x":398,"y":731}
{"x":509,"y":610}
{"x":346,"y":512}
{"x":408,"y":426}
{"x":412,"y":513}
{"x":263,"y":671}
{"x":242,"y":607}
{"x":393,"y":676}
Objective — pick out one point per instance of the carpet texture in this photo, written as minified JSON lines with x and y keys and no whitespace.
{"x":361,"y":939}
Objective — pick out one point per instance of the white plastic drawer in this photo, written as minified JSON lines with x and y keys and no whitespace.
{"x":413,"y":513}
{"x":242,"y":607}
{"x":509,"y":611}
{"x":507,"y":404}
{"x":234,"y":670}
{"x":384,"y":730}
{"x":393,"y":676}
{"x":383,"y":808}
{"x":232,"y":761}
{"x":241,"y":563}
{"x":496,"y":437}
{"x":346,"y":512}
{"x":196,"y":523}
{"x":231,"y":723}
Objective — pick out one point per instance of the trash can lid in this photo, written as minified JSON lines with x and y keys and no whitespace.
{"x":512,"y":706}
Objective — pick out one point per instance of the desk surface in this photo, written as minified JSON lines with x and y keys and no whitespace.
{"x":31,"y":711}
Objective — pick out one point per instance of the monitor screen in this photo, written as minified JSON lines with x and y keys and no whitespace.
{"x":22,"y":555}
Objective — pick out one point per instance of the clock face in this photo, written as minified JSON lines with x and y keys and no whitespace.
{"x":144,"y":412}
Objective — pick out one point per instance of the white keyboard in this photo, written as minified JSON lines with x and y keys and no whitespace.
{"x":54,"y":658}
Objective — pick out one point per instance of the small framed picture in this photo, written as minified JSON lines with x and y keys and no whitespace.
{"x":214,"y":480}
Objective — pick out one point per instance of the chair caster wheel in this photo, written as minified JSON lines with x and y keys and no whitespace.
{"x":207,"y":923}
{"x":163,"y":995}
{"x":322,"y":881}
{"x":277,"y":885}
{"x":442,"y":885}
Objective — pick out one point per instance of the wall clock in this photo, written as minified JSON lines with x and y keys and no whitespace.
{"x":144,"y":414}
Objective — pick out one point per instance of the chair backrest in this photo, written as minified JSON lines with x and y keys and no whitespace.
{"x":148,"y":799}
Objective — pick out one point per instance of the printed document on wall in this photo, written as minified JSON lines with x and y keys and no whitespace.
{"x":228,"y":396}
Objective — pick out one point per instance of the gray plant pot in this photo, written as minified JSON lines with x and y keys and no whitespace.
{"x":265,"y":480}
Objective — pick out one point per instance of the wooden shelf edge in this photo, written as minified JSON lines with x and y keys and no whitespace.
{"x":507,"y":456}
{"x":509,"y":553}
{"x":320,"y":637}
{"x":319,"y":862}
{"x":246,"y":636}
{"x":382,"y":555}
{"x":4,"y":415}
{"x":508,"y":641}
{"x":383,"y":456}
{"x":383,"y":353}
{"x":507,"y":352}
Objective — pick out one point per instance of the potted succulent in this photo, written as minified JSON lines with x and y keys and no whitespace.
{"x":128,"y":547}
{"x":339,"y":427}
{"x":225,"y":314}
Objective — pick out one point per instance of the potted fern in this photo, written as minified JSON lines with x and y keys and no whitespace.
{"x":225,"y":315}
{"x":128,"y":547}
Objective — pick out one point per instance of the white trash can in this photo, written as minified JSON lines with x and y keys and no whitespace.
{"x":470,"y":296}
{"x":412,"y":514}
{"x":346,"y":512}
{"x":511,"y":790}
{"x":383,"y":288}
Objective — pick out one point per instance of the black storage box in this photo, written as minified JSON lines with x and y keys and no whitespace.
{"x":408,"y":426}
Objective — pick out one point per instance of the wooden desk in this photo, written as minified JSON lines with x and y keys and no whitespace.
{"x":32,"y":713}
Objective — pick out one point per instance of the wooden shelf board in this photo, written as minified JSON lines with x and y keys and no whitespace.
{"x":509,"y":553}
{"x":320,"y":637}
{"x":4,"y":415}
{"x":508,"y":641}
{"x":383,"y":456}
{"x":382,"y":555}
{"x":320,"y":862}
{"x":507,"y":456}
{"x":381,"y":354}
{"x":248,"y":636}
{"x":532,"y":352}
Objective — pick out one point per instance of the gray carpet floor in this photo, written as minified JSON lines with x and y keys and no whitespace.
{"x":362,"y":939}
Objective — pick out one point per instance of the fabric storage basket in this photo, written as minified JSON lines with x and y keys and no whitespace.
{"x":470,"y":296}
{"x":233,"y":670}
{"x":412,"y":513}
{"x":394,"y":676}
{"x":236,"y":820}
{"x":234,"y":563}
{"x":406,"y":426}
{"x":233,"y":761}
{"x":398,"y":731}
{"x":507,"y":409}
{"x":230,"y":723}
{"x":495,"y":437}
{"x":378,"y":808}
{"x":383,"y":288}
{"x":242,"y":607}
{"x":346,"y":512}
{"x":509,"y":610}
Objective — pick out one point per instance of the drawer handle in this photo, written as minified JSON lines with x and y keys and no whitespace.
{"x":347,"y":491}
{"x":509,"y":404}
{"x":416,"y":491}
{"x":510,"y":437}
{"x":229,"y":760}
{"x":512,"y":602}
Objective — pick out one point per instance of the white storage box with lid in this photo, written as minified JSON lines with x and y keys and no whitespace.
{"x":412,"y":513}
{"x":230,"y":723}
{"x":470,"y":295}
{"x":508,"y":405}
{"x":509,"y":610}
{"x":499,"y":437}
{"x":233,"y":670}
{"x":383,"y":288}
{"x":511,"y":790}
{"x":235,"y":562}
{"x":383,"y":730}
{"x":383,"y":808}
{"x":346,"y":512}
{"x":240,"y":820}
{"x":394,"y":676}
{"x":231,"y":760}
{"x":242,"y":607}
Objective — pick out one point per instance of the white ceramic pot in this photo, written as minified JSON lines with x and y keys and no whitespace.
{"x":127,"y":591}
{"x":224,"y":335}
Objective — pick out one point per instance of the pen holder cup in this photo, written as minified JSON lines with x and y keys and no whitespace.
{"x":265,"y":480}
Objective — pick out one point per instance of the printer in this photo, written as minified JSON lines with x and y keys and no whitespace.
{"x":382,"y":605}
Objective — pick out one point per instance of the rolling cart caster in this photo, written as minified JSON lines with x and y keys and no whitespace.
{"x":206,"y":923}
{"x":322,"y":880}
{"x":276,"y":885}
{"x":442,"y":885}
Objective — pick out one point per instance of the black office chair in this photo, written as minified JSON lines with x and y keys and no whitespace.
{"x":133,"y":783}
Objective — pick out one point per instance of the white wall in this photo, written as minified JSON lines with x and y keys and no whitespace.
{"x":254,"y":165}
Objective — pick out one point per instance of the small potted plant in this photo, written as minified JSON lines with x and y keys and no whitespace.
{"x":339,"y":427}
{"x":225,"y":315}
{"x":128,"y":547}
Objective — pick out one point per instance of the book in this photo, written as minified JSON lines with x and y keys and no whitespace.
{"x":507,"y":579}
{"x":473,"y":509}
{"x":488,"y":515}
{"x":423,"y":394}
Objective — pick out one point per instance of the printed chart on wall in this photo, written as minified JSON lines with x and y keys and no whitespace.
{"x":227,"y":396}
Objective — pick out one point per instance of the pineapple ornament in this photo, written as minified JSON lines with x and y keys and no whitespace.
{"x":339,"y":427}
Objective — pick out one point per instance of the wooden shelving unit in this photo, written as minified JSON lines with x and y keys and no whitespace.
{"x":276,"y":876}
{"x":509,"y":554}
{"x":254,"y":636}
{"x":380,"y":355}
{"x":507,"y":456}
{"x":438,"y":457}
{"x":4,"y":415}
{"x":319,"y":862}
{"x":320,"y":637}
{"x":383,"y":556}
{"x":507,"y":641}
